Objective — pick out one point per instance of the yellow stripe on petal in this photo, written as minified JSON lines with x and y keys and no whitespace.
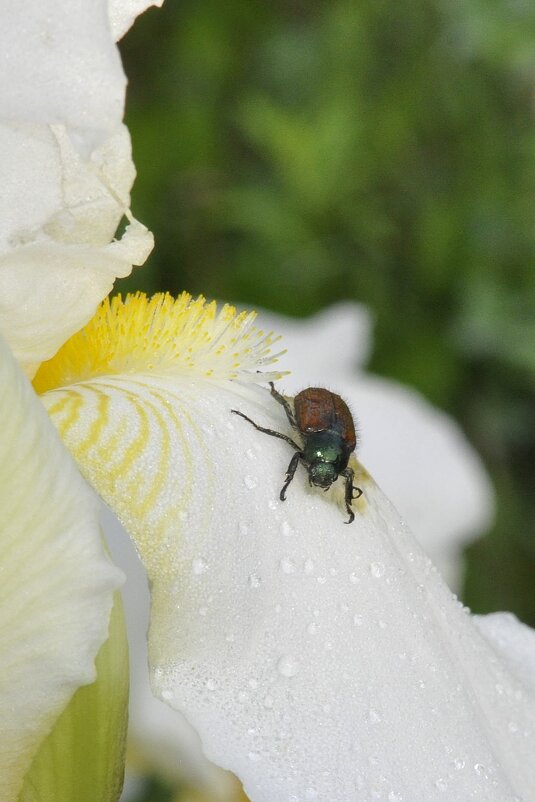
{"x":123,"y":394}
{"x":164,"y":336}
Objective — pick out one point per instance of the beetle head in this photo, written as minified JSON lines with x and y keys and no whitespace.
{"x":322,"y":474}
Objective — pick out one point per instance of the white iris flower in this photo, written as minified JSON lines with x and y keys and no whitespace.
{"x":318,"y":661}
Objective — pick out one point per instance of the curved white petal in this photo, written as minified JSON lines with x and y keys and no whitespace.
{"x":60,"y":65}
{"x":417,"y":454}
{"x":514,"y":641}
{"x":168,"y":743}
{"x":66,"y":166}
{"x":122,"y":14}
{"x":337,"y":340}
{"x":48,"y":291}
{"x":57,"y":583}
{"x":58,"y":217}
{"x":317,"y":660}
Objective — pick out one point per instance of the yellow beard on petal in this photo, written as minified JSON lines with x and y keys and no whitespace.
{"x":163,"y":335}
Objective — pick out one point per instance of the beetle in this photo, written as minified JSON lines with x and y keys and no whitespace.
{"x":327,"y":429}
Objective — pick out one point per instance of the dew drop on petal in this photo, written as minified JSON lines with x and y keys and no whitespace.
{"x":199,"y":566}
{"x":268,"y":702}
{"x":288,"y":666}
{"x":254,"y":580}
{"x":254,"y":757}
{"x":286,"y":529}
{"x":287,"y":565}
{"x":308,"y":567}
{"x":377,"y":570}
{"x":312,"y":628}
{"x":441,"y":784}
{"x":250,"y":482}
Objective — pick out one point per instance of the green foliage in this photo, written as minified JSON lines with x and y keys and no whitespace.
{"x":292,"y":154}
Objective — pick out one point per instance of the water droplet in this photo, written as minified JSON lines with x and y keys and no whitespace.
{"x":286,"y":529}
{"x":354,"y":578}
{"x":293,"y":798}
{"x":312,"y":628}
{"x":357,"y":620}
{"x":167,"y":695}
{"x":254,"y":757}
{"x":250,"y":482}
{"x":229,"y":638}
{"x":209,"y":430}
{"x":394,"y":797}
{"x":199,"y":566}
{"x":328,"y":646}
{"x":377,"y":570}
{"x":243,"y":529}
{"x":441,"y":784}
{"x":250,"y":454}
{"x":311,"y":794}
{"x":253,"y":683}
{"x":254,"y":580}
{"x":322,"y":580}
{"x":287,"y":565}
{"x":375,"y":718}
{"x":268,"y":702}
{"x":243,"y":696}
{"x":272,"y":504}
{"x":211,"y":684}
{"x":288,"y":666}
{"x":382,"y":624}
{"x":459,"y":763}
{"x":308,"y":567}
{"x":512,"y":727}
{"x":480,"y":769}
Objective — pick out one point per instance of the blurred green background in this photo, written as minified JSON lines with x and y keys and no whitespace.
{"x":292,"y":154}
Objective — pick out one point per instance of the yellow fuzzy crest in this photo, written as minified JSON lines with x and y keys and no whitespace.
{"x":163,"y":335}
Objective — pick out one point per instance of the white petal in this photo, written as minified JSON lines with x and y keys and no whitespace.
{"x":58,"y":215}
{"x":122,"y":14}
{"x":49,"y":290}
{"x":57,"y":583}
{"x":59,"y":64}
{"x":164,"y":738}
{"x":514,"y":641}
{"x":335,"y":341}
{"x":316,"y":660}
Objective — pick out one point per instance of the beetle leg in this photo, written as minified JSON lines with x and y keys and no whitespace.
{"x":290,"y":473}
{"x":283,"y":402}
{"x":268,"y":431}
{"x":350,"y":491}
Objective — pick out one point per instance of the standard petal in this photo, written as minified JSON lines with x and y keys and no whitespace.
{"x":60,"y":65}
{"x":122,"y":14}
{"x":59,"y":215}
{"x":316,"y":660}
{"x":57,"y":583}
